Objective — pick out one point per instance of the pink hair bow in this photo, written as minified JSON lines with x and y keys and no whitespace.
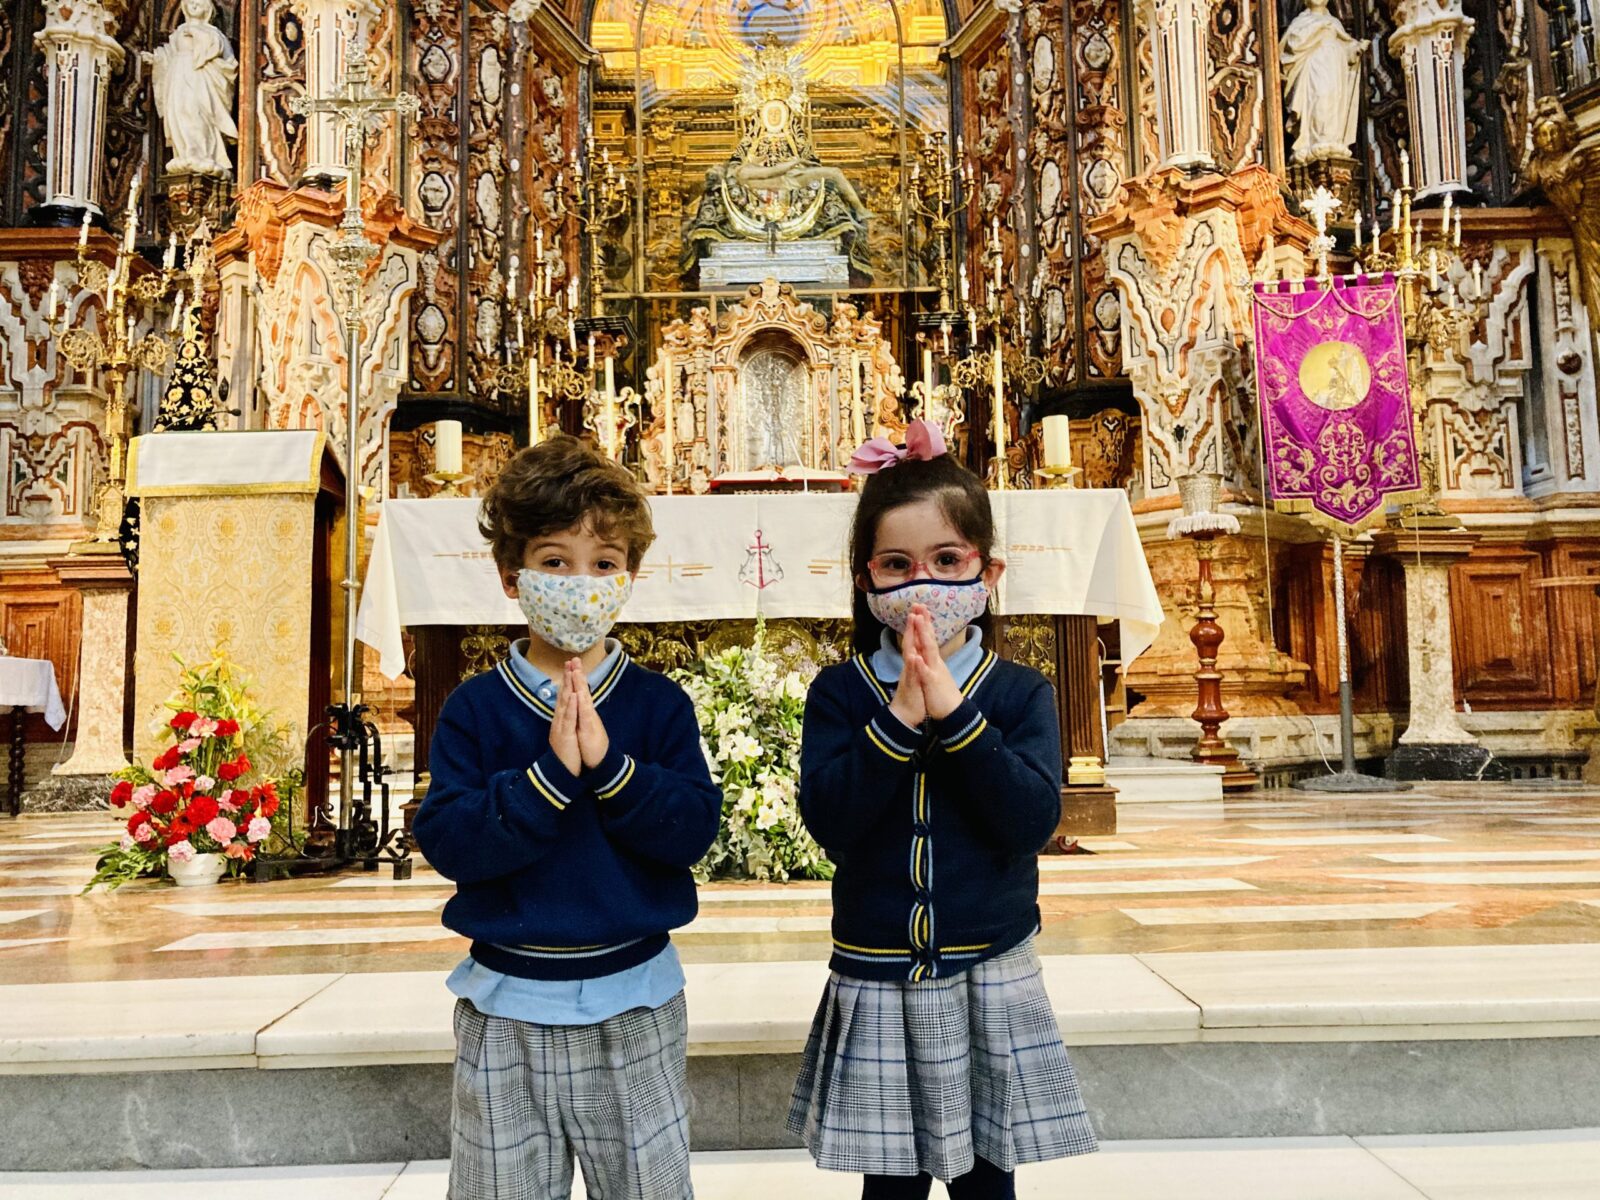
{"x":924,"y":442}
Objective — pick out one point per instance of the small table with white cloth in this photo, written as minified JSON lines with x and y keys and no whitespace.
{"x":1073,"y":555}
{"x":27,"y":685}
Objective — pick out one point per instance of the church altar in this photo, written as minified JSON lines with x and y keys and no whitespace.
{"x":1069,"y":552}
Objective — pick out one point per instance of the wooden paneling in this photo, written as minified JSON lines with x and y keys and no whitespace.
{"x":1576,"y":620}
{"x":39,"y":618}
{"x":1501,"y":625}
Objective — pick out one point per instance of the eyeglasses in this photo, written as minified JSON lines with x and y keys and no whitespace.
{"x":893,"y":568}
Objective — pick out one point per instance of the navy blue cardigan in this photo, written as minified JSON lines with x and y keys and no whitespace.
{"x":563,"y":876}
{"x":934,"y":832}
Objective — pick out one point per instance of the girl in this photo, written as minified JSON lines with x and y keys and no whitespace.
{"x":931,"y":774}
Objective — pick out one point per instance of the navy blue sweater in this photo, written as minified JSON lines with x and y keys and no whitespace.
{"x":934,"y":832}
{"x":562,"y":876}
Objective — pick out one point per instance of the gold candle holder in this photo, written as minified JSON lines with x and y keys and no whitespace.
{"x":449,"y":484}
{"x":1060,"y":477}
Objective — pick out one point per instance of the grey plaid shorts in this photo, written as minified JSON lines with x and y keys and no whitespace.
{"x":902,"y":1077}
{"x":529,"y":1097}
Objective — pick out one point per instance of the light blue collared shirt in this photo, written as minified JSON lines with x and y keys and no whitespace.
{"x":567,"y":1001}
{"x":888,"y":663}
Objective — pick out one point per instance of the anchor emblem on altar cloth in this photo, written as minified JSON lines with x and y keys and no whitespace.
{"x":761,"y":570}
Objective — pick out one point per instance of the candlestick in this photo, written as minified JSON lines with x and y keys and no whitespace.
{"x":857,"y":416}
{"x":535,"y":434}
{"x":999,"y":413}
{"x":447,"y":447}
{"x":1057,"y":440}
{"x":668,"y":454}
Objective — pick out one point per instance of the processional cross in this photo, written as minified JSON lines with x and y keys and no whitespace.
{"x":358,"y":109}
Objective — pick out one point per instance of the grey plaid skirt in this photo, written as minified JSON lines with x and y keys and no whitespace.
{"x":528,"y":1097}
{"x":899,"y":1078}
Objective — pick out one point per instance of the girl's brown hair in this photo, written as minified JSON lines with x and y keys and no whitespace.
{"x":959,"y":494}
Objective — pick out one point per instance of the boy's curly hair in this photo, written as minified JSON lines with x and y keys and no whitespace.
{"x":563,"y":484}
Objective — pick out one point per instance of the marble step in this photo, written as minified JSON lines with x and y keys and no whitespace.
{"x":347,"y":1068}
{"x":1162,"y":780}
{"x":1535,"y":1165}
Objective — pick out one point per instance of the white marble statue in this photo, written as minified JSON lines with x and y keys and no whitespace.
{"x":1322,"y":75}
{"x":194,"y":75}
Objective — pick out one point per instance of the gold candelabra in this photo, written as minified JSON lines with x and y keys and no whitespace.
{"x":544,"y":357}
{"x":115,"y":349}
{"x":1001,"y":364}
{"x":933,"y":195}
{"x":596,"y":196}
{"x":1425,"y":258}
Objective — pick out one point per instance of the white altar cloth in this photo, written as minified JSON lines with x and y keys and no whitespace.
{"x":30,"y":683}
{"x":729,"y":557}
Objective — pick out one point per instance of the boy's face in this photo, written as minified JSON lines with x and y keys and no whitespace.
{"x":576,"y":551}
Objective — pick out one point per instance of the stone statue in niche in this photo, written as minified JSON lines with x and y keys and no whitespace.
{"x":1322,"y":76}
{"x":194,"y":76}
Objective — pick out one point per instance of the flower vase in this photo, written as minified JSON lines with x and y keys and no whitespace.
{"x":202,"y":870}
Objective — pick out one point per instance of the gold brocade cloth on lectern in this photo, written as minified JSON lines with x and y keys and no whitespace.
{"x":227,"y":525}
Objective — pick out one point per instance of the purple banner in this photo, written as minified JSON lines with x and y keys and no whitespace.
{"x":1336,"y":425}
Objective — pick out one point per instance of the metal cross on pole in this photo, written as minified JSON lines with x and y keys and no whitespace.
{"x":358,"y":109}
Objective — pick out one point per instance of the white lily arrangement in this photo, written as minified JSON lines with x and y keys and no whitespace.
{"x":750,"y":710}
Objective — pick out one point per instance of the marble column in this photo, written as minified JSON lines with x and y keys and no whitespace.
{"x":84,"y":780}
{"x":1431,"y":43}
{"x":80,"y":52}
{"x":1435,"y":745}
{"x":1182,"y":72}
{"x":329,"y":27}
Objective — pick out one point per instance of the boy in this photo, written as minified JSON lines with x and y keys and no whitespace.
{"x":569,"y":801}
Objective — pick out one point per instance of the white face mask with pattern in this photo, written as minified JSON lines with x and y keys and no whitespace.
{"x":572,"y":612}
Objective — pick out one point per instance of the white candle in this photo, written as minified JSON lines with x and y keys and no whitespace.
{"x":171,"y":257}
{"x":611,"y":378}
{"x":572,"y":335}
{"x":1477,"y":280}
{"x":1456,"y":239}
{"x":447,"y":447}
{"x":538,"y":243}
{"x":1433,"y":268}
{"x":53,"y":303}
{"x":1358,"y":231}
{"x":927,"y":366}
{"x":1444,"y":219}
{"x":668,"y":448}
{"x":572,"y":292}
{"x":1057,"y":440}
{"x":966,"y":290}
{"x":1405,"y":168}
{"x":944,"y":328}
{"x":972,"y":326}
{"x":177,"y":313}
{"x":511,"y":279}
{"x":591,"y":352}
{"x":83,"y":233}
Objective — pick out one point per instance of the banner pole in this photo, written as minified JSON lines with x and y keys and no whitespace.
{"x":1347,"y":778}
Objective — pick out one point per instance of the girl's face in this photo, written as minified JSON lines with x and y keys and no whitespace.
{"x":917,"y":541}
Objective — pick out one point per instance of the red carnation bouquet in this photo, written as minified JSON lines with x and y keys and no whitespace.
{"x":203,"y":793}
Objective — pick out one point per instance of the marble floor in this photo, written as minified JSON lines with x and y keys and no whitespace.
{"x":1550,"y":1165}
{"x":1446,"y":865}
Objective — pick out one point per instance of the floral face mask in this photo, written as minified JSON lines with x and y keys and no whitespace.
{"x":572,"y":612}
{"x":953,"y":605}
